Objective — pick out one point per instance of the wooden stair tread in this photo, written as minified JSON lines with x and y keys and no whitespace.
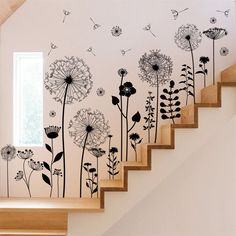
{"x":111,"y":183}
{"x":24,"y":232}
{"x":50,"y":204}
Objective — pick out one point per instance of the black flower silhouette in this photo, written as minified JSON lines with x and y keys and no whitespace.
{"x":69,"y":80}
{"x":116,"y":31}
{"x":52,"y":131}
{"x":203,"y":70}
{"x":8,"y":153}
{"x":156,"y":68}
{"x":215,"y":34}
{"x":114,"y":150}
{"x":127,"y":89}
{"x":134,"y":141}
{"x":188,"y":37}
{"x":88,"y":130}
{"x":204,"y":60}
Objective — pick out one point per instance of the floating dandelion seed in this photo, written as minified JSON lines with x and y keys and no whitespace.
{"x":66,"y":13}
{"x":148,"y":28}
{"x":90,"y":49}
{"x":123,"y":52}
{"x":176,"y":13}
{"x":52,"y":47}
{"x":226,"y":13}
{"x":116,"y":31}
{"x":95,"y":25}
{"x":52,"y":114}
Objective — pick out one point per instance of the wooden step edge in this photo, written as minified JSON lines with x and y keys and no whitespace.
{"x":23,"y":232}
{"x":229,"y":74}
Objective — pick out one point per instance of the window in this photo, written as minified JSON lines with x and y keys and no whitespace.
{"x":28,"y":99}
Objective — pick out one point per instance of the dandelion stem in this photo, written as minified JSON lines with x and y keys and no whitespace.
{"x":97,"y":176}
{"x":58,"y":186}
{"x":63,"y":142}
{"x":81,"y":165}
{"x":127,"y":128}
{"x":121,"y":121}
{"x":29,"y":182}
{"x":193,"y":68}
{"x":213,"y":61}
{"x":109,"y":156}
{"x":157,"y":101}
{"x":51,"y":168}
{"x":7,"y":178}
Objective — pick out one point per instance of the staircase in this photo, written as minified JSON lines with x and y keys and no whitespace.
{"x":49,"y":216}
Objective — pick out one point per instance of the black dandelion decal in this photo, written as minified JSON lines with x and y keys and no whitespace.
{"x":215,"y":34}
{"x":224,"y":51}
{"x":156,"y":69}
{"x":69,"y":80}
{"x":116,"y":31}
{"x":226,"y":12}
{"x":188,"y":38}
{"x":8,"y":153}
{"x":88,"y":129}
{"x":123,"y":52}
{"x":52,"y":47}
{"x":100,"y":92}
{"x":213,"y":20}
{"x":90,"y":50}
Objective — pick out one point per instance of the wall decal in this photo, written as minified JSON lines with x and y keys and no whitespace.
{"x":95,"y":25}
{"x":203,"y":70}
{"x":116,"y":31}
{"x":224,"y":51}
{"x":213,"y":20}
{"x":100,"y":92}
{"x":156,"y":69}
{"x":52,"y":133}
{"x":52,"y":114}
{"x":92,"y":180}
{"x":126,"y":90}
{"x":97,"y":152}
{"x":123,"y":52}
{"x":226,"y":12}
{"x":66,"y":13}
{"x":215,"y":34}
{"x":58,"y":173}
{"x":8,"y":153}
{"x":69,"y":80}
{"x":90,"y":50}
{"x":149,"y":119}
{"x":88,"y":129}
{"x":176,"y":13}
{"x":170,"y":107}
{"x":52,"y":47}
{"x":187,"y":81}
{"x":34,"y":166}
{"x":113,"y":162}
{"x":188,"y":38}
{"x":148,"y":28}
{"x":134,"y":141}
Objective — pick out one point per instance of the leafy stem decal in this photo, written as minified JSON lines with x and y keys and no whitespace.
{"x":149,"y":119}
{"x":52,"y":133}
{"x":170,"y":109}
{"x":203,"y":70}
{"x":113,"y":163}
{"x":92,"y":180}
{"x":187,"y":76}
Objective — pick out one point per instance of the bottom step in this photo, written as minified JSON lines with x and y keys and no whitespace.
{"x":10,"y":232}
